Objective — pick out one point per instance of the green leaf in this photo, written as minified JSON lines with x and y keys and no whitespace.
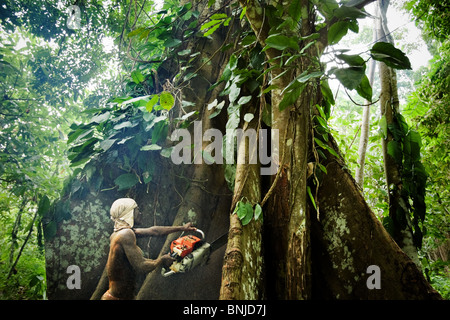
{"x":352,"y":60}
{"x":282,"y":42}
{"x":412,"y":144}
{"x":290,"y":97}
{"x":166,"y":153}
{"x":137,"y":76}
{"x":160,"y":131}
{"x":234,"y":93}
{"x":311,"y":197}
{"x":383,"y":126}
{"x":151,"y":103}
{"x":344,"y":12}
{"x":395,"y":151}
{"x":244,"y":10}
{"x":295,"y":10}
{"x":218,"y":16}
{"x":151,"y":147}
{"x":172,"y":42}
{"x":337,"y":31}
{"x":244,"y":212}
{"x":125,"y":124}
{"x":244,"y":100}
{"x":364,"y":89}
{"x":326,"y":92}
{"x":393,"y":57}
{"x":126,"y":181}
{"x":44,"y":206}
{"x":349,"y":77}
{"x":166,"y":100}
{"x":210,"y":24}
{"x":248,"y":214}
{"x":134,"y":100}
{"x":248,"y":117}
{"x":211,"y":30}
{"x":301,"y":79}
{"x":322,"y":167}
{"x":240,"y":210}
{"x":101,"y":117}
{"x":258,"y":212}
{"x":106,"y":144}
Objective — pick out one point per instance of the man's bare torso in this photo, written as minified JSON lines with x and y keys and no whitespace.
{"x":120,"y":272}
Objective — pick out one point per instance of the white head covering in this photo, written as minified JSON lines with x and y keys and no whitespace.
{"x":122,"y":211}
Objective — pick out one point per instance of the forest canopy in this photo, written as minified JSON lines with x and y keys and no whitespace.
{"x":91,"y":92}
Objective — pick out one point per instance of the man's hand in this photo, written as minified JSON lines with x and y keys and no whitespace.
{"x":167,"y":260}
{"x":189,"y":227}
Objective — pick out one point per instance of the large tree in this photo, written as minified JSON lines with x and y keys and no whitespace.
{"x":232,"y":65}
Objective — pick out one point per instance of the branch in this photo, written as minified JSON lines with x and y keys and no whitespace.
{"x":23,"y":246}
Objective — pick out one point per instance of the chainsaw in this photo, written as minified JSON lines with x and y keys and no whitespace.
{"x":190,"y":251}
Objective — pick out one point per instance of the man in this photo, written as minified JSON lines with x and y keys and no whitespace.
{"x":125,"y":257}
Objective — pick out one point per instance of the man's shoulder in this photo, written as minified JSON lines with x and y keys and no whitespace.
{"x":124,"y":235}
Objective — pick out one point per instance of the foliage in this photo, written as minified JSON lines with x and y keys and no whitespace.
{"x":429,"y":113}
{"x":44,"y":77}
{"x":244,"y":210}
{"x":127,"y":121}
{"x":432,"y":17}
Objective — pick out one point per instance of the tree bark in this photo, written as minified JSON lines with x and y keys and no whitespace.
{"x":243,"y":262}
{"x":286,"y":212}
{"x":348,"y":238}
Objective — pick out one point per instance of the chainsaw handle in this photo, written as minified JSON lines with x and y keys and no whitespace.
{"x":201,"y":232}
{"x":196,"y":230}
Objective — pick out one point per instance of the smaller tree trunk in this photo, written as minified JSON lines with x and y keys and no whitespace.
{"x":364,"y":138}
{"x":389,"y":105}
{"x":243,"y":262}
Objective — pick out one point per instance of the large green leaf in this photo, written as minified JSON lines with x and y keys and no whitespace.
{"x":349,"y":77}
{"x":395,"y":151}
{"x":166,"y":100}
{"x":258,"y":212}
{"x":44,"y":206}
{"x":326,"y":92}
{"x":295,"y":10}
{"x":290,"y":97}
{"x":137,"y":76}
{"x":346,"y":12}
{"x":126,"y":181}
{"x":393,"y":57}
{"x":364,"y":89}
{"x":151,"y":147}
{"x":337,"y":31}
{"x":352,"y":60}
{"x":282,"y":42}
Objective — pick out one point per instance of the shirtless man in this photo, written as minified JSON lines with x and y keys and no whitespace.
{"x":125,"y":257}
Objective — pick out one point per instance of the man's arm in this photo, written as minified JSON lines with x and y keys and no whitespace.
{"x":134,"y":255}
{"x":162,"y":231}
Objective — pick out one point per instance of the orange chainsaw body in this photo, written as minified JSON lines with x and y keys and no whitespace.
{"x":182,"y":246}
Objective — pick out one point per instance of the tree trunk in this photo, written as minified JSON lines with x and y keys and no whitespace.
{"x":389,"y":106}
{"x":364,"y":138}
{"x":286,"y":213}
{"x":243,"y":262}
